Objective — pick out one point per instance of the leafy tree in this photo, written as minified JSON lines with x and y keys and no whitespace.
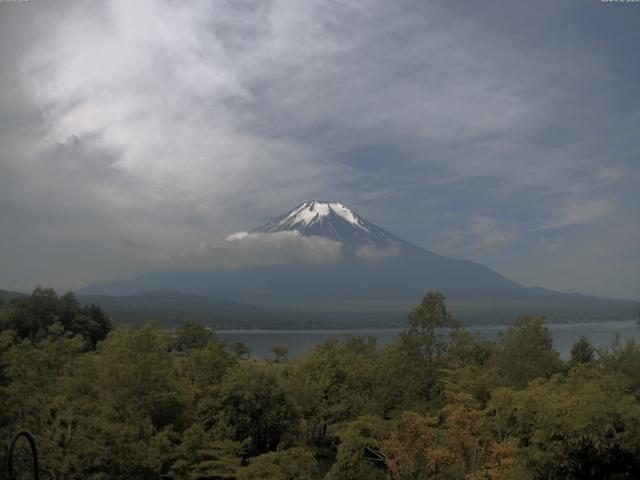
{"x":294,"y":463}
{"x":471,"y":380}
{"x":192,"y":336}
{"x":423,"y":346}
{"x":31,"y":317}
{"x":360,"y":345}
{"x":582,"y":353}
{"x":92,"y":324}
{"x":252,"y":403}
{"x":280,"y":351}
{"x":332,"y":384}
{"x":200,"y":454}
{"x":415,"y":451}
{"x":39,"y":392}
{"x":623,"y":359}
{"x":204,"y":368}
{"x":469,"y":350}
{"x":469,"y":370}
{"x":525,"y":352}
{"x":584,"y":425}
{"x":134,"y":377}
{"x":470,"y":437}
{"x":359,"y":454}
{"x":241,"y":349}
{"x":429,"y":333}
{"x":463,"y":446}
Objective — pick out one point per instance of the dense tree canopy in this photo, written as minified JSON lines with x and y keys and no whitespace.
{"x":526,"y":352}
{"x":32,"y":317}
{"x":439,"y":403}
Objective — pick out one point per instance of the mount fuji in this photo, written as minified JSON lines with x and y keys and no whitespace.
{"x":371,"y":270}
{"x":333,"y":221}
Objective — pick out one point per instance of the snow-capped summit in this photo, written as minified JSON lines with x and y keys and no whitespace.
{"x":315,"y":211}
{"x":331,"y":220}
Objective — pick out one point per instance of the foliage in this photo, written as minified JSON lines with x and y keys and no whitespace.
{"x":624,"y":359}
{"x":425,"y":343}
{"x":458,"y":443}
{"x":280,"y":351}
{"x":333,"y":383}
{"x":438,"y":403}
{"x":359,"y":455}
{"x":31,"y":317}
{"x":525,"y":352}
{"x":294,"y":463}
{"x":582,"y":353}
{"x":252,"y":404}
{"x":414,"y":450}
{"x":241,"y":349}
{"x":583,"y":425}
{"x":191,"y":336}
{"x":135,"y":377}
{"x":198,"y":454}
{"x":203,"y":369}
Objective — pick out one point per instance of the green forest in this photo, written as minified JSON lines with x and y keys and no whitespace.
{"x":439,"y":403}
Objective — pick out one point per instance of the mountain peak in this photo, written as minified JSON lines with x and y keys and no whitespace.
{"x":316,"y":211}
{"x":332,"y":220}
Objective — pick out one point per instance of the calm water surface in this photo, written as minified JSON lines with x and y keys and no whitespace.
{"x":298,"y":341}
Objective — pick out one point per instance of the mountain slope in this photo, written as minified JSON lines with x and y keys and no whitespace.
{"x":377,"y":272}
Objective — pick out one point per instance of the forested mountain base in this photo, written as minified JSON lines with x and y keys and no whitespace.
{"x":439,"y":403}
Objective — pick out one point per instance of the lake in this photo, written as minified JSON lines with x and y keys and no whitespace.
{"x":298,"y":341}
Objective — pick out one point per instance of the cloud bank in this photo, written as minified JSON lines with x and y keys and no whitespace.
{"x":242,"y":250}
{"x":131,"y":129}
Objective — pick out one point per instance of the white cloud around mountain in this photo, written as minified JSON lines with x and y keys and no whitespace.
{"x":245,"y":250}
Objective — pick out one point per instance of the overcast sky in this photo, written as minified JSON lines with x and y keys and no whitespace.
{"x":503,"y":132}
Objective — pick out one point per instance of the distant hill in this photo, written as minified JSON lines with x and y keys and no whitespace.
{"x":173,"y":308}
{"x":8,"y":295}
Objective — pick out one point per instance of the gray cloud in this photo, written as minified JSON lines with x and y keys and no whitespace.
{"x":242,"y":250}
{"x":477,"y":234}
{"x":372,"y":254}
{"x":577,"y":212}
{"x":134,"y":129}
